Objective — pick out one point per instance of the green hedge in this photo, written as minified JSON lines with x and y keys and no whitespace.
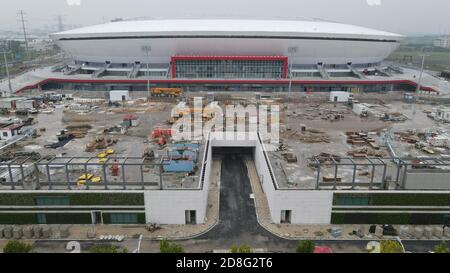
{"x":18,"y":218}
{"x":400,"y":199}
{"x":86,"y":199}
{"x":141,"y":218}
{"x":388,"y":218}
{"x":52,"y":218}
{"x":68,"y":218}
{"x":57,"y":218}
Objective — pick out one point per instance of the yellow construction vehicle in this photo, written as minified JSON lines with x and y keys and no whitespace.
{"x":166,"y":92}
{"x":102,"y":160}
{"x":86,"y":176}
{"x":102,"y":155}
{"x":96,"y":179}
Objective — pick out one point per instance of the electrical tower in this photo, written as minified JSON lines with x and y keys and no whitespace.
{"x":22,"y":20}
{"x":59,"y":18}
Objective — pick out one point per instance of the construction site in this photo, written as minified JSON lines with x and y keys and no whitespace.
{"x":113,"y":158}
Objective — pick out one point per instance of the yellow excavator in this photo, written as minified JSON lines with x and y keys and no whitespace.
{"x":166,"y":92}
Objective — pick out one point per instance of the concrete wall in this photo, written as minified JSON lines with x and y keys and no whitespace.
{"x":427,"y":180}
{"x":117,"y":95}
{"x":307,"y":206}
{"x":169,"y":206}
{"x":265,"y":179}
{"x":341,"y":96}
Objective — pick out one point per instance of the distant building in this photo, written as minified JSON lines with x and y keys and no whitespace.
{"x":8,"y":131}
{"x":443,"y":114}
{"x":443,"y":42}
{"x":340,"y":96}
{"x":41,"y":45}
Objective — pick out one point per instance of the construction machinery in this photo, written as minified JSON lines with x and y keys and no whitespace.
{"x":88,"y":177}
{"x":166,"y":92}
{"x":100,"y":142}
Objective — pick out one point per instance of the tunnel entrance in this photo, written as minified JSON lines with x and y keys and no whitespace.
{"x":238,"y":151}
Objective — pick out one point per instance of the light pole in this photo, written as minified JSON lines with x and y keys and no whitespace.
{"x":397,"y":238}
{"x":147,"y":50}
{"x":292,"y":51}
{"x":425,"y":52}
{"x":138,"y":249}
{"x":5,"y":50}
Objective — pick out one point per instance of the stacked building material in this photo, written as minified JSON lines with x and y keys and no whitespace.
{"x":361,"y":139}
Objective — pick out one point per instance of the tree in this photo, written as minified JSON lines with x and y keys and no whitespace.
{"x":15,"y":246}
{"x":306,"y":246}
{"x":166,"y":246}
{"x":441,"y":248}
{"x":108,"y":249}
{"x":390,"y":246}
{"x":241,"y":249}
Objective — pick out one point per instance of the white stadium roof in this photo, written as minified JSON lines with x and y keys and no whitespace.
{"x":188,"y":27}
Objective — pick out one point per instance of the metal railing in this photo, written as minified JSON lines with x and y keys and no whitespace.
{"x":65,"y":172}
{"x":397,"y":171}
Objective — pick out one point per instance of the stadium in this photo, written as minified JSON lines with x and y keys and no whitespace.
{"x":227,"y":55}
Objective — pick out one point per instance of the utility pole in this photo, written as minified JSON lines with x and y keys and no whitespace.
{"x":59,"y":18}
{"x":425,"y":52}
{"x":292,"y":51}
{"x":5,"y":50}
{"x":22,"y":19}
{"x":147,"y":50}
{"x":138,"y":249}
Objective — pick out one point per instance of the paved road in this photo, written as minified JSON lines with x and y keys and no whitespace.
{"x":238,"y":224}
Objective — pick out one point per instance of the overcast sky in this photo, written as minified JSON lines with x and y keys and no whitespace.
{"x":402,"y":16}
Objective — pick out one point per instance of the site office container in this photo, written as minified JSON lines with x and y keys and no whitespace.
{"x":26,"y":104}
{"x":7,"y":104}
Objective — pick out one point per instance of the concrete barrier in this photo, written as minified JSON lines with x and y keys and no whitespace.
{"x":404,"y":231}
{"x":379,"y":231}
{"x":428,"y":232}
{"x":46,"y":232}
{"x":37,"y":230}
{"x":336,"y":232}
{"x":28,"y":232}
{"x":437,"y":232}
{"x":64,"y":231}
{"x":17,"y":232}
{"x":447,"y":232}
{"x":8,"y":232}
{"x":361,"y":231}
{"x":418,"y":232}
